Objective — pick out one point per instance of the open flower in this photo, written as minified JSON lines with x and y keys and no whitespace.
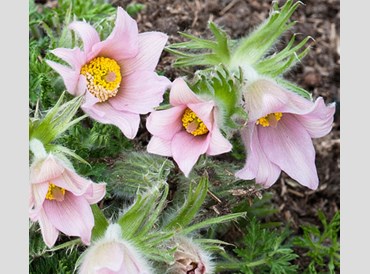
{"x":112,"y":255}
{"x":186,"y":130}
{"x":279,"y":134}
{"x":116,"y":76}
{"x":60,"y":200}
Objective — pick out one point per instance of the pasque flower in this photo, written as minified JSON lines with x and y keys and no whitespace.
{"x":113,"y":255}
{"x":116,"y":76}
{"x":279,"y":133}
{"x":60,"y":200}
{"x":186,"y":130}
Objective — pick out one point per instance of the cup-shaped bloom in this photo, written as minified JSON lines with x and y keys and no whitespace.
{"x":190,"y":258}
{"x":113,"y":255}
{"x":279,"y":134}
{"x":60,"y":200}
{"x":116,"y":76}
{"x":187,"y":129}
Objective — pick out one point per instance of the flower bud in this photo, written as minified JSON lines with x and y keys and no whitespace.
{"x":113,"y":255}
{"x":190,"y":259}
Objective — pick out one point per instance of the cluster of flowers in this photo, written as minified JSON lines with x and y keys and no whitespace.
{"x":116,"y":78}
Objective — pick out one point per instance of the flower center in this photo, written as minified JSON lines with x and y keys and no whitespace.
{"x":193,"y":124}
{"x":103,"y":77}
{"x":55,"y":193}
{"x":270,"y":119}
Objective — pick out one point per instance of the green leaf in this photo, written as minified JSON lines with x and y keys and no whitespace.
{"x":294,"y":88}
{"x":255,"y":45}
{"x":198,"y":51}
{"x":56,"y":121}
{"x":143,"y":213}
{"x":212,"y":221}
{"x":100,"y":223}
{"x":192,"y":204}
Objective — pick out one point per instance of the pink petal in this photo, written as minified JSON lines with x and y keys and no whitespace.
{"x":159,"y":146}
{"x":187,"y":148}
{"x":38,"y":194}
{"x":123,"y":42}
{"x":74,"y":57}
{"x":257,"y":165}
{"x":204,"y":111}
{"x":112,"y":260}
{"x":81,"y":85}
{"x":72,"y":182}
{"x":263,"y":97}
{"x":290,"y":147}
{"x":165,"y":123}
{"x":104,"y":113}
{"x":45,"y":170}
{"x":181,"y":94}
{"x":140,"y":92}
{"x":218,"y":144}
{"x":98,"y":193}
{"x":151,"y":45}
{"x":49,"y":232}
{"x":72,"y":217}
{"x":87,"y":33}
{"x":319,"y":121}
{"x":90,"y":101}
{"x":69,"y":76}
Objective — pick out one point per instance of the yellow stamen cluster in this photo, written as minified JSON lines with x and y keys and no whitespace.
{"x":193,"y":124}
{"x":103,"y":76}
{"x":55,"y":193}
{"x":270,"y":119}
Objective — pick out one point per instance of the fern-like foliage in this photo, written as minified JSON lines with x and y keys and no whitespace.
{"x":262,"y":250}
{"x":321,"y":246}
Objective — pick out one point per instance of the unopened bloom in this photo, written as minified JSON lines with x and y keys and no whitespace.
{"x":279,"y":134}
{"x":186,"y":130}
{"x":60,"y":200}
{"x":190,"y":258}
{"x":113,"y":255}
{"x":116,"y":76}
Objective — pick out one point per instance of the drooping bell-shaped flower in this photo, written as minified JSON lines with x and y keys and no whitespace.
{"x":186,"y":130}
{"x":113,"y":255}
{"x":116,"y":76}
{"x":279,"y":133}
{"x":60,"y":200}
{"x":190,"y":258}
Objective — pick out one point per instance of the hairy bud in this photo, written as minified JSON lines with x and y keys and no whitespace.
{"x":190,"y":258}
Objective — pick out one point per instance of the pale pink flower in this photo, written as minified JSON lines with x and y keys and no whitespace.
{"x":113,"y":255}
{"x":186,"y":130}
{"x":279,"y":134}
{"x":116,"y":76}
{"x":60,"y":200}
